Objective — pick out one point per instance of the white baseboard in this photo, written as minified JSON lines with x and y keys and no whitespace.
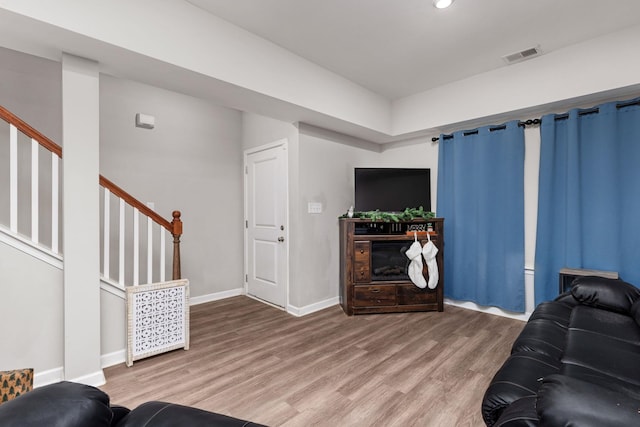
{"x":56,"y":375}
{"x":114,"y":358}
{"x":216,"y":296}
{"x":95,"y":379}
{"x":312,"y":308}
{"x":51,"y":376}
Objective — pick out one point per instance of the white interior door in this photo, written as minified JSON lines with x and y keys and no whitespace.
{"x":266,"y":225}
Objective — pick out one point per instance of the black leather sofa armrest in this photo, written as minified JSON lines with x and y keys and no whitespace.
{"x":608,"y":294}
{"x":162,"y":414}
{"x":519,"y":377}
{"x":568,"y":401}
{"x":63,"y":404}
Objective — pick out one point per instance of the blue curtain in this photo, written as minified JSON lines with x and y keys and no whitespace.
{"x":481,"y":197}
{"x":588,"y":203}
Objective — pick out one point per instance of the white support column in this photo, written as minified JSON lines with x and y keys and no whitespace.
{"x":81,"y":220}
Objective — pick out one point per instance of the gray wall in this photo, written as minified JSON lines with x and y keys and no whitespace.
{"x":327,"y":161}
{"x":31,"y":327}
{"x":191,"y":161}
{"x":31,"y":88}
{"x":113,"y":326}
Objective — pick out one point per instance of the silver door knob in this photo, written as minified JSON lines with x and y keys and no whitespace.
{"x":280,"y":239}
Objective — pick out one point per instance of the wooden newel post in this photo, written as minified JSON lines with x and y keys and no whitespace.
{"x":176,"y":231}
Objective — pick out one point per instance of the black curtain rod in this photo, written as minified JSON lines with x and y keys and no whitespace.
{"x":558,"y":117}
{"x":596,"y":110}
{"x":524,"y":123}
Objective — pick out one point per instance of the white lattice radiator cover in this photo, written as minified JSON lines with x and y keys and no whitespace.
{"x":157,"y":318}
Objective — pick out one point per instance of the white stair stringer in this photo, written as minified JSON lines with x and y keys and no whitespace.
{"x":56,"y":260}
{"x":112,"y":287}
{"x":28,"y":247}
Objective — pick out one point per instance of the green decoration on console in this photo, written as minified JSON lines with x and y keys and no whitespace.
{"x":407,"y":215}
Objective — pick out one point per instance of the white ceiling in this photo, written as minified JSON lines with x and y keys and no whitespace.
{"x":401,"y":47}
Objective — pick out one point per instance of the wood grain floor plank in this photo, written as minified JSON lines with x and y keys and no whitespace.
{"x":252,"y":361}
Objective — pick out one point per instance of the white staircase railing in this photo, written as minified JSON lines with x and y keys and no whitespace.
{"x":27,"y":208}
{"x":30,"y":210}
{"x":146,"y":246}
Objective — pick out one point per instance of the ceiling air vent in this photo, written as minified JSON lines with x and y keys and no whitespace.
{"x":522,"y":55}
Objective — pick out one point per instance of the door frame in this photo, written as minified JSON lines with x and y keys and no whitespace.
{"x":284,"y":143}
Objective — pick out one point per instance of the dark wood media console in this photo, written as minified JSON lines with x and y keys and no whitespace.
{"x":373,"y":275}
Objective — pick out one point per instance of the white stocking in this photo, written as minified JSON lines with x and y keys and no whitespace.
{"x":414,"y":253}
{"x":429,"y":253}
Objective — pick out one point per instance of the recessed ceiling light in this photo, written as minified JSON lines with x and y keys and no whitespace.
{"x":441,"y":4}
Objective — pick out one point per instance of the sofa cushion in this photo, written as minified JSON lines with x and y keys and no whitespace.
{"x":161,"y":414}
{"x":63,"y":404}
{"x":609,"y":294}
{"x":566,"y":401}
{"x":542,"y":336}
{"x":554,"y":311}
{"x":603,"y":354}
{"x":605,"y":322}
{"x":597,"y":377}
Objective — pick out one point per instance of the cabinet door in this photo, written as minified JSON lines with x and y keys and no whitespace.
{"x":368,"y":296}
{"x":362,"y":262}
{"x":412,"y":295}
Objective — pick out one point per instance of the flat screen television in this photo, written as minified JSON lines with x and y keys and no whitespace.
{"x":392,"y":189}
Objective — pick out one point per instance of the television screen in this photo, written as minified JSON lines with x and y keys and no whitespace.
{"x":392,"y":189}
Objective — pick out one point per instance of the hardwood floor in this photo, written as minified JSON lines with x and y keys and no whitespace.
{"x":252,"y":361}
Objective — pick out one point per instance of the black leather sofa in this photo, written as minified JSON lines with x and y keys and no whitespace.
{"x":68,"y":404}
{"x":576,"y":362}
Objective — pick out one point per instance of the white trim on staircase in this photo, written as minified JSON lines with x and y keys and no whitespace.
{"x":28,"y":247}
{"x":112,"y":287}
